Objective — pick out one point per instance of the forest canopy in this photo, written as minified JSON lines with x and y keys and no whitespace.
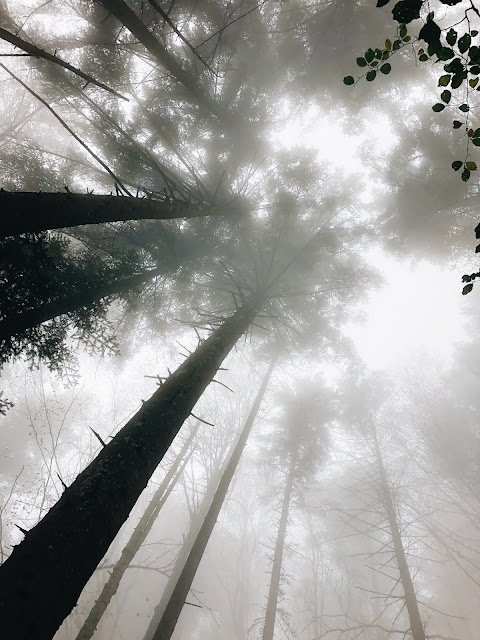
{"x":239,"y":379}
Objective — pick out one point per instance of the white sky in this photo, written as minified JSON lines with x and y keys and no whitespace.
{"x":417,"y":313}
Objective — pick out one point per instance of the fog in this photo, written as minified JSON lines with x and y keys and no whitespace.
{"x":239,"y":379}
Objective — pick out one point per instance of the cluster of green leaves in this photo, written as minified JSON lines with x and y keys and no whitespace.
{"x":373,"y":58}
{"x":460,"y":55}
{"x":469,"y":278}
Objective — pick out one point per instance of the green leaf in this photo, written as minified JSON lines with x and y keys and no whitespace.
{"x":450,"y":3}
{"x":464,"y":107}
{"x":444,"y":53}
{"x":382,"y":3}
{"x":386,"y":68}
{"x":378,"y":54}
{"x":446,"y":96}
{"x":374,"y":63}
{"x":396,"y":45}
{"x":475,"y":70}
{"x":423,"y":57}
{"x":371,"y":75}
{"x":474,"y":55}
{"x":466,"y":289}
{"x":438,"y":107}
{"x":385,"y":55}
{"x":369,"y":55}
{"x":476,"y":133}
{"x":444,"y":80}
{"x":430,"y":32}
{"x":474,"y":33}
{"x":361,"y":62}
{"x":349,"y":80}
{"x":457,"y":124}
{"x":457,"y":79}
{"x":464,"y":43}
{"x":467,"y":278}
{"x":451,"y":37}
{"x":477,"y":248}
{"x":476,"y":142}
{"x":403,"y":31}
{"x":465,"y":175}
{"x":407,"y":38}
{"x":457,"y":165}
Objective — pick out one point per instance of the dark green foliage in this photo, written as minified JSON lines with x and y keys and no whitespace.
{"x":37,"y":269}
{"x":407,"y":10}
{"x":448,"y":45}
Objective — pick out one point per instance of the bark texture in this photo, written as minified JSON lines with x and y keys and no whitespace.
{"x":137,"y":538}
{"x":274,"y":587}
{"x":416,"y":625}
{"x":16,"y":324}
{"x":27,"y":212}
{"x":165,"y":627}
{"x":46,"y":573}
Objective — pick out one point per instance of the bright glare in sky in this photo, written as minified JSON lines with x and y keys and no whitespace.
{"x":417,"y":313}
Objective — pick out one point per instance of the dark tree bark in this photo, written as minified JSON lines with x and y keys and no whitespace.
{"x":35,"y":52}
{"x":129,"y":19}
{"x":46,"y":573}
{"x":16,"y":324}
{"x":136,"y":540}
{"x":274,"y":587}
{"x":27,"y":212}
{"x":166,"y":615}
{"x":416,"y":626}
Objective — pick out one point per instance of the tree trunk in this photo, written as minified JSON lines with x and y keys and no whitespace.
{"x":34,"y":51}
{"x":46,"y":573}
{"x":416,"y":625}
{"x":27,"y":212}
{"x":16,"y":324}
{"x":184,"y":553}
{"x":273,"y":590}
{"x":167,"y":613}
{"x":129,"y":19}
{"x":136,"y":540}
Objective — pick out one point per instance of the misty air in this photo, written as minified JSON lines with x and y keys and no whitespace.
{"x":239,"y":302}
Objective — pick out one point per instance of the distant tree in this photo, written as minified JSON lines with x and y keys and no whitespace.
{"x":165,"y":617}
{"x":300,"y":447}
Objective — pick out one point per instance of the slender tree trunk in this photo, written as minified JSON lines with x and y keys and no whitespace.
{"x":167,"y":613}
{"x":273,"y":590}
{"x":184,"y":553}
{"x":136,"y":540}
{"x":16,"y":324}
{"x":130,"y":20}
{"x":27,"y":212}
{"x":34,"y":51}
{"x":46,"y":573}
{"x":416,"y":625}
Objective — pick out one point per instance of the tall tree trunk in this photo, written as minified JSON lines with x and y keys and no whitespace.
{"x":416,"y":625}
{"x":130,"y":20}
{"x":16,"y":324}
{"x":136,"y":540}
{"x":46,"y":573}
{"x":27,"y":212}
{"x":273,"y":590}
{"x":167,"y":613}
